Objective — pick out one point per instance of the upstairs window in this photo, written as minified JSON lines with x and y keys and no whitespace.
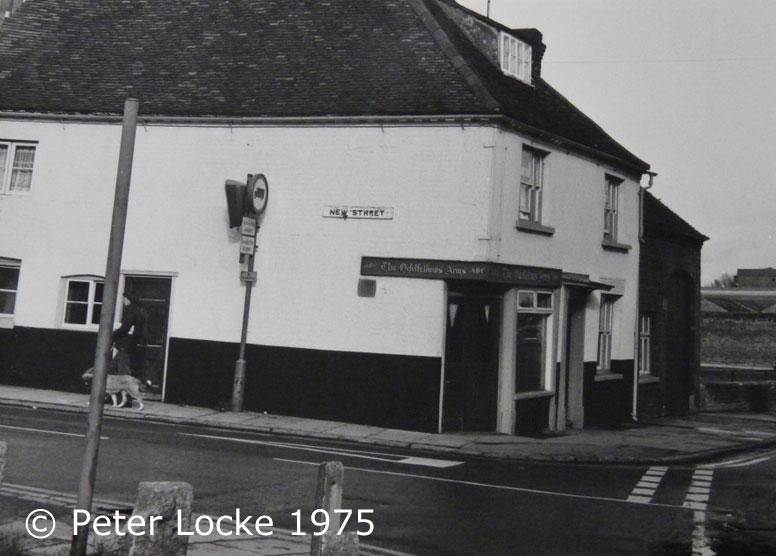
{"x":645,"y":343}
{"x":9,"y":283}
{"x":611,"y":202}
{"x":531,"y":184}
{"x":515,"y":57}
{"x":83,"y":301}
{"x":16,"y":161}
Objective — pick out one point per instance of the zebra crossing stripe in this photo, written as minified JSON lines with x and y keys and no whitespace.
{"x":645,"y":489}
{"x":698,"y":493}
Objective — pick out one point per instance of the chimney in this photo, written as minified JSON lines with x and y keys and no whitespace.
{"x":534,"y":38}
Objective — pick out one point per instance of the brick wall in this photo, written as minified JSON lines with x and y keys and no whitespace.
{"x":742,"y":339}
{"x":758,"y":397}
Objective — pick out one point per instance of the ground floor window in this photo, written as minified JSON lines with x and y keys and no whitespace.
{"x":605,"y":327}
{"x":645,"y":335}
{"x":533,"y":310}
{"x":83,"y":301}
{"x":9,"y":283}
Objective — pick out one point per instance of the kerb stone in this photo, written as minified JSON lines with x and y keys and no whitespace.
{"x":343,"y":545}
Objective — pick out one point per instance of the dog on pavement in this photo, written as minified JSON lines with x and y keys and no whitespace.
{"x":126,"y":385}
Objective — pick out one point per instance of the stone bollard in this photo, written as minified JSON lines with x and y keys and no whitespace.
{"x":328,"y":496}
{"x":171,"y":500}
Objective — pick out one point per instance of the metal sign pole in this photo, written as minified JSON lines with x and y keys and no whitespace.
{"x":105,"y":332}
{"x":238,"y":390}
{"x":255,"y":202}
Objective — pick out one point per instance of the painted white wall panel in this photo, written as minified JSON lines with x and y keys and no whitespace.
{"x":435,"y":179}
{"x":453,"y":191}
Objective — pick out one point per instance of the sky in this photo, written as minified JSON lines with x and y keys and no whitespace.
{"x":688,"y":86}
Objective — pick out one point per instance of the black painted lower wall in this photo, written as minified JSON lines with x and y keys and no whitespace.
{"x":532,"y":415}
{"x":46,"y":358}
{"x":392,"y":391}
{"x":651,"y":400}
{"x":608,"y":402}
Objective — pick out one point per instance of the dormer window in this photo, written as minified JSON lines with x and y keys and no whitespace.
{"x":515,"y":57}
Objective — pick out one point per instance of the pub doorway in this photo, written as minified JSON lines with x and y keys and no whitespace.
{"x":471,"y":361}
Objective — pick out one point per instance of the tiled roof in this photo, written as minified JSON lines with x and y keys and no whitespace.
{"x":271,"y":58}
{"x":660,"y":220}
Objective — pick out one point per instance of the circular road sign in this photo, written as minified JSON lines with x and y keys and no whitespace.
{"x":258,"y":193}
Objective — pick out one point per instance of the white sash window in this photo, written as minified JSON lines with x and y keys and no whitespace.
{"x":16,"y":162}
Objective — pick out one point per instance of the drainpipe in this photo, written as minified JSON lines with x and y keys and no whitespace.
{"x":635,"y":407}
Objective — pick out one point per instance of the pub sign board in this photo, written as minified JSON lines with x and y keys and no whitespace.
{"x":462,"y":270}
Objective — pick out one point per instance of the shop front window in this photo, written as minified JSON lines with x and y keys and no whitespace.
{"x":533,"y":310}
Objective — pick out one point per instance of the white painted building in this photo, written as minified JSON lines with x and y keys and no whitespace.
{"x":485,"y":277}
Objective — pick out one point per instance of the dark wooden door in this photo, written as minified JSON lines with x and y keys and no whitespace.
{"x":471,"y":363}
{"x":154,"y":295}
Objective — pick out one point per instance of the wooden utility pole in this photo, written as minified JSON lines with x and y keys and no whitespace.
{"x":105,"y":332}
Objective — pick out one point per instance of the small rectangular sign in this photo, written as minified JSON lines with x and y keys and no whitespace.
{"x":247,"y":245}
{"x":248,"y":276}
{"x":370,"y":213}
{"x":248,"y":227}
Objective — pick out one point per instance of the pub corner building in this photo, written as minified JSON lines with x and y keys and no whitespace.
{"x":449,"y":244}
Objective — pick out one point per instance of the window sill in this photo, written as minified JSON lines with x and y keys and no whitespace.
{"x":606,"y":376}
{"x":534,"y":227}
{"x":531,"y":395}
{"x":648,"y":379}
{"x":80,"y":327}
{"x":6,"y":321}
{"x":614,"y":246}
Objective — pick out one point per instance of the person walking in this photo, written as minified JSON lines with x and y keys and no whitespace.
{"x":130,"y":339}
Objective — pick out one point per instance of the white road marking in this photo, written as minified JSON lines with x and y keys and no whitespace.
{"x":374,"y":456}
{"x":751,"y":434}
{"x":64,"y":499}
{"x":696,"y":499}
{"x":749,"y":462}
{"x":745,"y":461}
{"x":429,"y":462}
{"x":645,"y":489}
{"x":27,"y":429}
{"x":483,"y":485}
{"x":700,"y":541}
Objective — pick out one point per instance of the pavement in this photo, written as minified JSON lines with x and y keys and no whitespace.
{"x":695,"y":438}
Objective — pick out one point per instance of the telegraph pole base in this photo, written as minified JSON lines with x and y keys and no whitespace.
{"x":238,"y":391}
